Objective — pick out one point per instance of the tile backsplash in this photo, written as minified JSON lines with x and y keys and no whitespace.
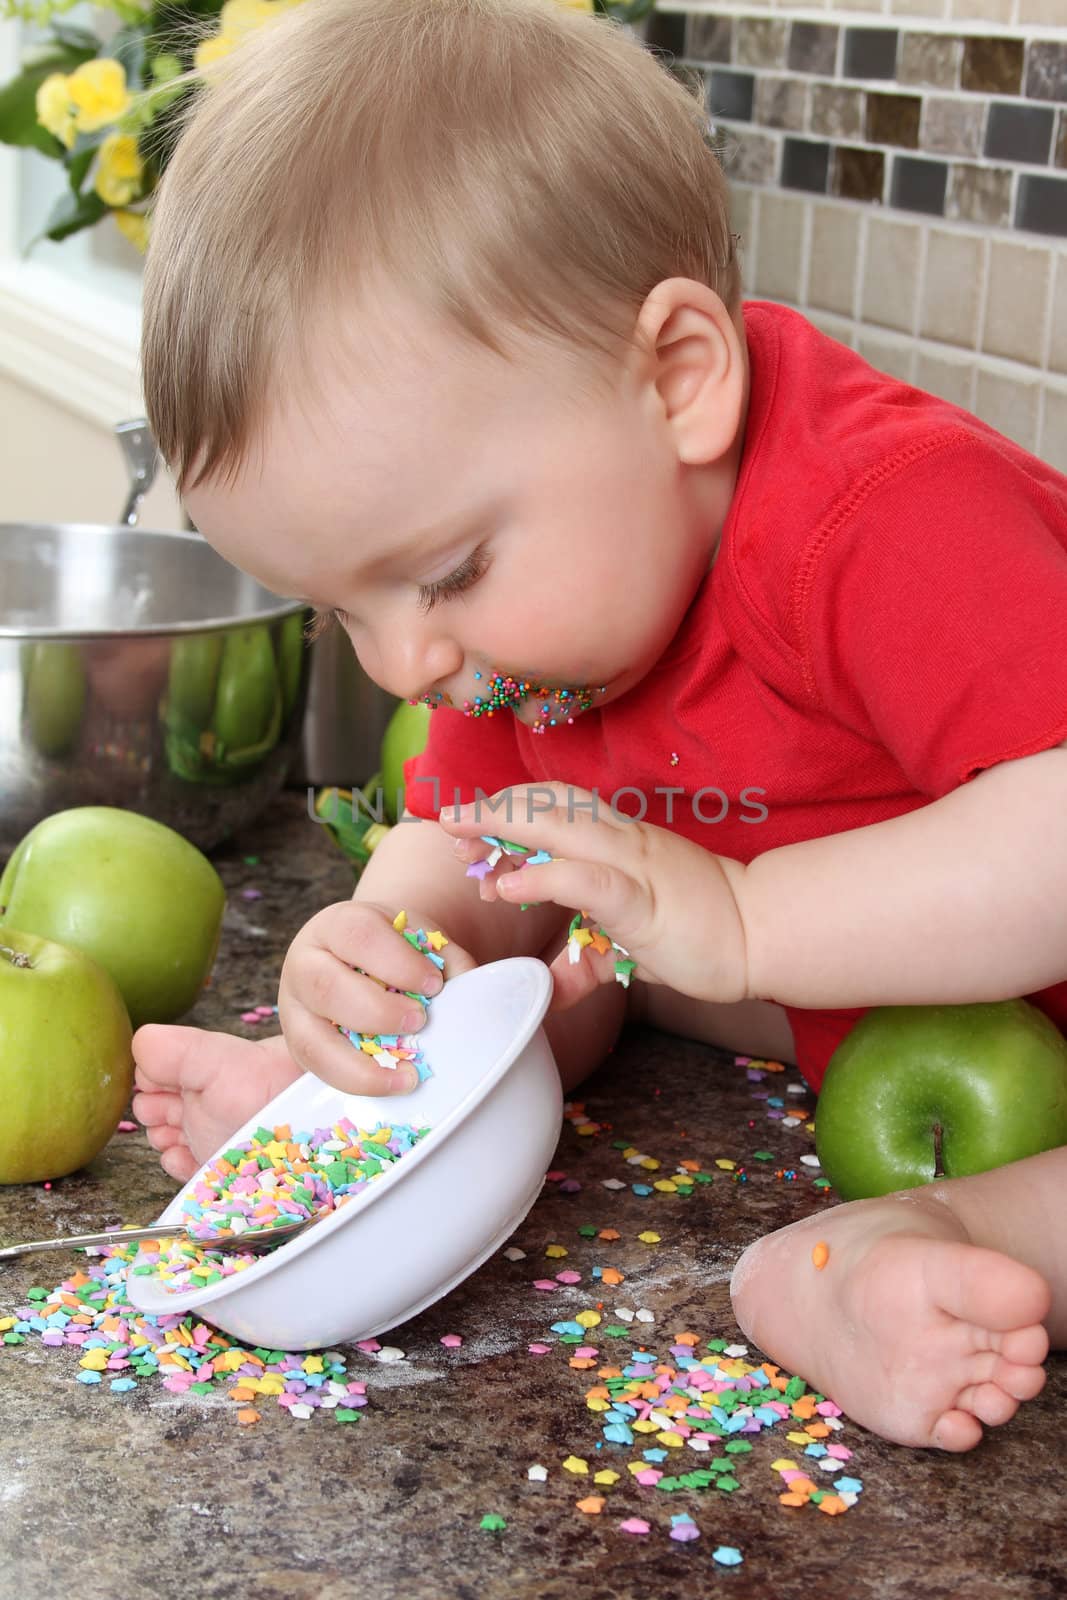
{"x":899,"y":171}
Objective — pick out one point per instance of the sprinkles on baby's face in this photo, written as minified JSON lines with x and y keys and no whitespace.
{"x":577,"y":935}
{"x":269,"y":1180}
{"x":504,"y":692}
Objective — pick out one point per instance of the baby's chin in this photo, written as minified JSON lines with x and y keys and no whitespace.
{"x":553,"y":708}
{"x":537,"y":705}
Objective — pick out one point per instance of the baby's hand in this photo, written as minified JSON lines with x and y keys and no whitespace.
{"x":320,"y":990}
{"x":666,"y":901}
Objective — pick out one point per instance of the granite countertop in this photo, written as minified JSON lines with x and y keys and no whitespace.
{"x":109,"y":1494}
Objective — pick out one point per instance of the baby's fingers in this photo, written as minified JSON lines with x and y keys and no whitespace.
{"x":318,"y":1046}
{"x":608,"y":896}
{"x":572,"y":980}
{"x":486,"y":863}
{"x":363,"y":935}
{"x":318,"y":995}
{"x":470,"y":850}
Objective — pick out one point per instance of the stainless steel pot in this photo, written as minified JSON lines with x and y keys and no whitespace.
{"x":345,"y":718}
{"x":139,"y":669}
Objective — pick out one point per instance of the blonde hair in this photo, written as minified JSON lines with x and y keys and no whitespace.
{"x":514,"y":165}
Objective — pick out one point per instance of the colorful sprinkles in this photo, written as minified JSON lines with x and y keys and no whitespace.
{"x":392,"y":1050}
{"x":504,"y":692}
{"x":680,"y":1398}
{"x":123,"y":1348}
{"x":578,"y":936}
{"x":677,"y":1418}
{"x":266,"y":1181}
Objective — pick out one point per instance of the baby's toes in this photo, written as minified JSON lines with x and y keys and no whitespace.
{"x":157,"y":1110}
{"x":988,"y":1290}
{"x":957,"y":1431}
{"x":1023,"y":1347}
{"x":161,"y":1137}
{"x":1024,"y":1381}
{"x":179,"y":1162}
{"x":988,"y":1402}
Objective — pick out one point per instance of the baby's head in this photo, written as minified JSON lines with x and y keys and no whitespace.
{"x":442,"y":333}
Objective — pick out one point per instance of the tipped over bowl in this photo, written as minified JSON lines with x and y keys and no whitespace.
{"x":494,"y":1109}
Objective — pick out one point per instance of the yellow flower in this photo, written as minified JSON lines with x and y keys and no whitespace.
{"x":211,"y":50}
{"x":98,"y":93}
{"x":54,"y":110}
{"x":239,"y":17}
{"x":118,"y":177}
{"x":236,"y":19}
{"x":576,"y":5}
{"x":135,"y":227}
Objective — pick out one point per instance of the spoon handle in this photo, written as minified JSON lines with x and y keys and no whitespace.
{"x":77,"y":1241}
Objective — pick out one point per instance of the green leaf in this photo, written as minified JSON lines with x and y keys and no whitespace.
{"x":79,"y":40}
{"x":88,"y":143}
{"x":71,"y":213}
{"x":78,"y":165}
{"x":54,"y":55}
{"x":18,"y":114}
{"x":165,"y":67}
{"x":629,"y":11}
{"x":18,"y":100}
{"x":158,"y":144}
{"x":128,"y":47}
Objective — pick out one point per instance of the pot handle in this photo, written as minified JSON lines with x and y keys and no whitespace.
{"x":142,"y":463}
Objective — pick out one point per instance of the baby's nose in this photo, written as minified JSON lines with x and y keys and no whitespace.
{"x":421,"y":664}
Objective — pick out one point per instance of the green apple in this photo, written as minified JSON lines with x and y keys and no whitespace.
{"x":922,"y":1092}
{"x":223,"y":709}
{"x":249,"y":694}
{"x":128,"y":892}
{"x":66,"y":1070}
{"x":55,"y":696}
{"x":405,"y":736}
{"x":194,"y":667}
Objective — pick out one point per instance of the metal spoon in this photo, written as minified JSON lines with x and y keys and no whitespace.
{"x":255,"y":1240}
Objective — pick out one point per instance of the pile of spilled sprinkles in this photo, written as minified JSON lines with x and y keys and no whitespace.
{"x":269,"y":1180}
{"x":711,"y":1403}
{"x":679,"y":1421}
{"x":125,"y":1348}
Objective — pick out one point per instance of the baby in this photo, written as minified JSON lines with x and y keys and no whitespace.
{"x":444,"y":334}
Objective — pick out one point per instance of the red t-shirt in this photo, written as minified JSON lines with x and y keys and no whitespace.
{"x":885,"y":618}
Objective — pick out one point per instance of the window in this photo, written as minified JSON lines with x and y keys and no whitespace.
{"x":69,"y":313}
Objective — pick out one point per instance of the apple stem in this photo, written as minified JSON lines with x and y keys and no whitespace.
{"x":17,"y":958}
{"x":939,"y":1171}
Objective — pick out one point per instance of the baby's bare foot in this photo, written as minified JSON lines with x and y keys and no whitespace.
{"x":915,"y":1332}
{"x":194,"y":1089}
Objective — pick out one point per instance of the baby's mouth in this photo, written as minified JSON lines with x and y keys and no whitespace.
{"x":559,"y":704}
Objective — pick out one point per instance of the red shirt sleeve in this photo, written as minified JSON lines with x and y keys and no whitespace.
{"x":462,"y":754}
{"x":931,"y":611}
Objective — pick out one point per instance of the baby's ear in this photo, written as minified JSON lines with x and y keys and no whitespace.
{"x":696,"y":360}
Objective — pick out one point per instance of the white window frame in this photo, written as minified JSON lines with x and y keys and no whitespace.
{"x":70,"y":339}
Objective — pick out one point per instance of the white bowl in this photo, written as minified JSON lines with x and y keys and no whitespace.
{"x":495,"y":1108}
